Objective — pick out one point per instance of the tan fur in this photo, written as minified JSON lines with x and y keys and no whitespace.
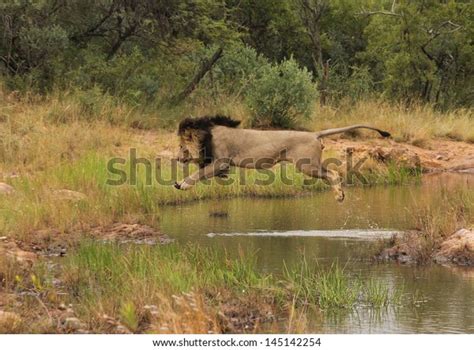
{"x":260,"y":149}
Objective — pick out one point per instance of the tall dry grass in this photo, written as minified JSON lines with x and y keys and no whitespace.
{"x":415,"y":124}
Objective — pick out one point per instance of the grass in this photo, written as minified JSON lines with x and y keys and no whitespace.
{"x":334,"y":288}
{"x":36,"y":206}
{"x":453,"y":210}
{"x":416,"y":124}
{"x":182,"y":289}
{"x":396,"y":175}
{"x":378,"y":294}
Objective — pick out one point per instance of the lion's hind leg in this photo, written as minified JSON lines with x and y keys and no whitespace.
{"x":331,"y":176}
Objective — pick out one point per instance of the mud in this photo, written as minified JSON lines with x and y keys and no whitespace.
{"x":130,"y":233}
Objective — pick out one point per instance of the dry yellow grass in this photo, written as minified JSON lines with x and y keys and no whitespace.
{"x":415,"y":125}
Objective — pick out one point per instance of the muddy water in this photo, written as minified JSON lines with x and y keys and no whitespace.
{"x":281,"y":230}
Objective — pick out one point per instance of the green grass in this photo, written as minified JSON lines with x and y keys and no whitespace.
{"x":334,"y":288}
{"x":133,"y":274}
{"x":397,"y":175}
{"x":121,"y":280}
{"x":378,"y":294}
{"x":327,"y":288}
{"x":171,"y":269}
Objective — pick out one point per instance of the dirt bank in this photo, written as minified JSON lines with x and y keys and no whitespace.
{"x":51,"y":242}
{"x":412,"y":248}
{"x":433,"y":156}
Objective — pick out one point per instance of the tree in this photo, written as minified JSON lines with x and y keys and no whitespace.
{"x":420,"y":50}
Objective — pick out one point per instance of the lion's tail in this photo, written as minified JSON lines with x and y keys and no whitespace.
{"x":328,"y":132}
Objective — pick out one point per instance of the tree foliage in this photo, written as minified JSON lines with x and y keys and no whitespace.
{"x":142,"y":51}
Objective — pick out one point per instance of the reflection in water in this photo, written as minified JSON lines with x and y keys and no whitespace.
{"x":449,"y":305}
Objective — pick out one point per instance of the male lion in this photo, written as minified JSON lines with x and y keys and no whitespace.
{"x":216,"y":144}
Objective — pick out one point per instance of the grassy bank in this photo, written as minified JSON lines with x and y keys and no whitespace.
{"x":56,"y":143}
{"x":174,"y":289}
{"x":39,"y":201}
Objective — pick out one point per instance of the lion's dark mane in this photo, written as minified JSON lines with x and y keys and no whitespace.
{"x":204,"y":125}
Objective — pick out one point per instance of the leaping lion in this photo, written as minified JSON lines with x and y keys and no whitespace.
{"x":215,"y":143}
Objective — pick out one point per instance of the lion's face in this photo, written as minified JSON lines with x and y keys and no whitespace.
{"x":189,"y":149}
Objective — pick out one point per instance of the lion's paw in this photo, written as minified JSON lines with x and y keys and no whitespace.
{"x":182,"y":185}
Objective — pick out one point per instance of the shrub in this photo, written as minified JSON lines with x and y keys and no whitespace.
{"x":238,"y":69}
{"x":131,"y":78}
{"x":233,"y":74}
{"x":281,"y":96}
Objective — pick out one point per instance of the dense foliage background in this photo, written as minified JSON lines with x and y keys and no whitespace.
{"x":277,"y":56}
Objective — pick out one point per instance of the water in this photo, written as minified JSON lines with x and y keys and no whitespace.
{"x":281,"y":230}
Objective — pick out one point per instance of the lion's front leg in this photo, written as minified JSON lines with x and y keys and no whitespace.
{"x":210,"y":170}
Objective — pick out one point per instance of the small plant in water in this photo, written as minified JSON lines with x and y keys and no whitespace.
{"x":329,"y":288}
{"x":377,"y":294}
{"x":335,"y":289}
{"x":398,"y":175}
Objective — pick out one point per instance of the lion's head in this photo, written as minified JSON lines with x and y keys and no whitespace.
{"x":195,"y":138}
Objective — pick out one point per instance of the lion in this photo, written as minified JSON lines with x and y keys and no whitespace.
{"x":215,"y":144}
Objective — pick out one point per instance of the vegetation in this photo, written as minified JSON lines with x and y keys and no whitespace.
{"x":175,"y":288}
{"x":282,"y":96}
{"x":37,"y":165}
{"x":268,"y":56}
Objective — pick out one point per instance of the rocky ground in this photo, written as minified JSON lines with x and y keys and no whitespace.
{"x":434,"y":156}
{"x":456,"y":250}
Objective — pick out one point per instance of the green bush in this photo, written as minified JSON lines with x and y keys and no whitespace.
{"x":282,"y":95}
{"x":349,"y":84}
{"x":238,"y":69}
{"x":233,"y":74}
{"x":129,"y":78}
